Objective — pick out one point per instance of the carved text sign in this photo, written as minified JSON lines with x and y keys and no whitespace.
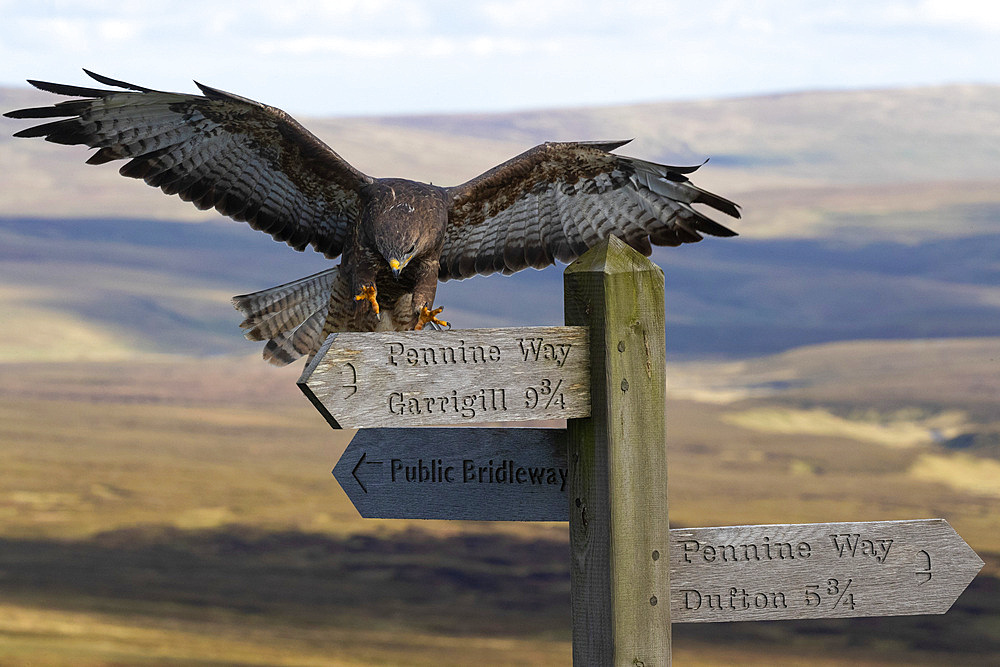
{"x":481,"y":474}
{"x":821,"y":570}
{"x":409,"y":378}
{"x":731,"y":573}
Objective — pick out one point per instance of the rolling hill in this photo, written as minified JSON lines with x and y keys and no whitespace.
{"x":868,"y":214}
{"x":803,"y":165}
{"x":168,"y":498}
{"x":111,"y":288}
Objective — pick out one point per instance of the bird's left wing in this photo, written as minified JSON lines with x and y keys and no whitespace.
{"x":557,"y":200}
{"x":251,"y":162}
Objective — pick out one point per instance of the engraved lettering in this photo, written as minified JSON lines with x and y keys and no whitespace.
{"x":435,"y":471}
{"x":927,"y":571}
{"x":836,"y":592}
{"x":467,"y":405}
{"x":398,"y":354}
{"x":696,"y":551}
{"x":506,"y":471}
{"x":536,"y":349}
{"x":395,"y":349}
{"x":735,"y":599}
{"x":353,"y":384}
{"x":396,"y":403}
{"x":844,"y":545}
{"x":851,"y":544}
{"x":493,"y":399}
{"x":885,"y":546}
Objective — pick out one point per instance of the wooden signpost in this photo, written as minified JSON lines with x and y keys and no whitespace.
{"x":632,"y":576}
{"x":730,"y":573}
{"x":477,"y":474}
{"x":409,"y":378}
{"x":819,"y":570}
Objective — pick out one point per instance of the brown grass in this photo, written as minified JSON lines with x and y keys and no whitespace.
{"x":153,"y":472}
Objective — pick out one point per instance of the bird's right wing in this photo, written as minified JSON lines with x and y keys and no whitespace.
{"x":249,"y":161}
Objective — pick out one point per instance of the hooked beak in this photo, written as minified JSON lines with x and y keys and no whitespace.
{"x":395,"y":266}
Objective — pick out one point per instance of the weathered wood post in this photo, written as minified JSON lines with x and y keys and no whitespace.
{"x":610,"y":462}
{"x":619,"y":527}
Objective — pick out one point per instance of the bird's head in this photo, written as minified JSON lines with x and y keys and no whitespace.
{"x":398,"y":236}
{"x":398,"y":253}
{"x":409,"y":223}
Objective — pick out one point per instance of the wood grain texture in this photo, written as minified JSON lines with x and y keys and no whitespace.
{"x":411,"y":378}
{"x":822,"y":570}
{"x":474,"y":474}
{"x":619,"y":527}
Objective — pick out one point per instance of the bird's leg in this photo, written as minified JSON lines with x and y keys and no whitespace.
{"x":423,"y":295}
{"x":368,"y":293}
{"x":428,"y":316}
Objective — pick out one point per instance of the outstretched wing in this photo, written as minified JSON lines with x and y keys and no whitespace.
{"x":557,"y":200}
{"x":249,"y":161}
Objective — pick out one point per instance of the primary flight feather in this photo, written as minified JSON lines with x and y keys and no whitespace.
{"x":398,"y":238}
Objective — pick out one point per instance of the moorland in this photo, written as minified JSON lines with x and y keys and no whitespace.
{"x":167,"y":497}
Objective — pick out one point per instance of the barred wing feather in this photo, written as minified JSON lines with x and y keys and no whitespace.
{"x":251,"y":162}
{"x":557,"y":200}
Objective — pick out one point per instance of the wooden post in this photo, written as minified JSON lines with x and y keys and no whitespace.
{"x":619,"y":527}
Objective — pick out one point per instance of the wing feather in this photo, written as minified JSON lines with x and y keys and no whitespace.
{"x":556,"y":200}
{"x":249,"y":161}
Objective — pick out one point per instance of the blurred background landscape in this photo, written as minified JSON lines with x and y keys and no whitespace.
{"x":167,"y":496}
{"x":839,"y":361}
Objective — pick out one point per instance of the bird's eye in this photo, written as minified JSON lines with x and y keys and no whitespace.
{"x":412,"y":248}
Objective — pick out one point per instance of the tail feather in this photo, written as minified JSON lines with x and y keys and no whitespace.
{"x":304,"y":339}
{"x":291,"y":317}
{"x":295,"y":318}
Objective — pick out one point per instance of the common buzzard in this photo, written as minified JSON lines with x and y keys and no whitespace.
{"x":398,"y":238}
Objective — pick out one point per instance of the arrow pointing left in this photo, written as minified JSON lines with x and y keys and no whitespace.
{"x":480,"y":474}
{"x":354,"y":472}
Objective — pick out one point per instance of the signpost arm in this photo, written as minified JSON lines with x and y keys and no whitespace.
{"x":619,"y":528}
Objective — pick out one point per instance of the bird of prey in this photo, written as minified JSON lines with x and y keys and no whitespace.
{"x":397,"y":237}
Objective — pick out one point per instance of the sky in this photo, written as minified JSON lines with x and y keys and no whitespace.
{"x":389,"y":57}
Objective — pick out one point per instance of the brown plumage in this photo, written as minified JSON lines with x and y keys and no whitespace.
{"x":398,"y":238}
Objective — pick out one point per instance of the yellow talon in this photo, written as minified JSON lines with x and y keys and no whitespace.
{"x":427,"y":315}
{"x":368,"y":293}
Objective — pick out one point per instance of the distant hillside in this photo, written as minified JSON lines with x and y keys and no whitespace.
{"x":122,"y":287}
{"x":865,"y":165}
{"x":868,"y":214}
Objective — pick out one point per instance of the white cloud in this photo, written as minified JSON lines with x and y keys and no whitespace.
{"x":971,"y":15}
{"x":515,"y":53}
{"x":436,"y":47}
